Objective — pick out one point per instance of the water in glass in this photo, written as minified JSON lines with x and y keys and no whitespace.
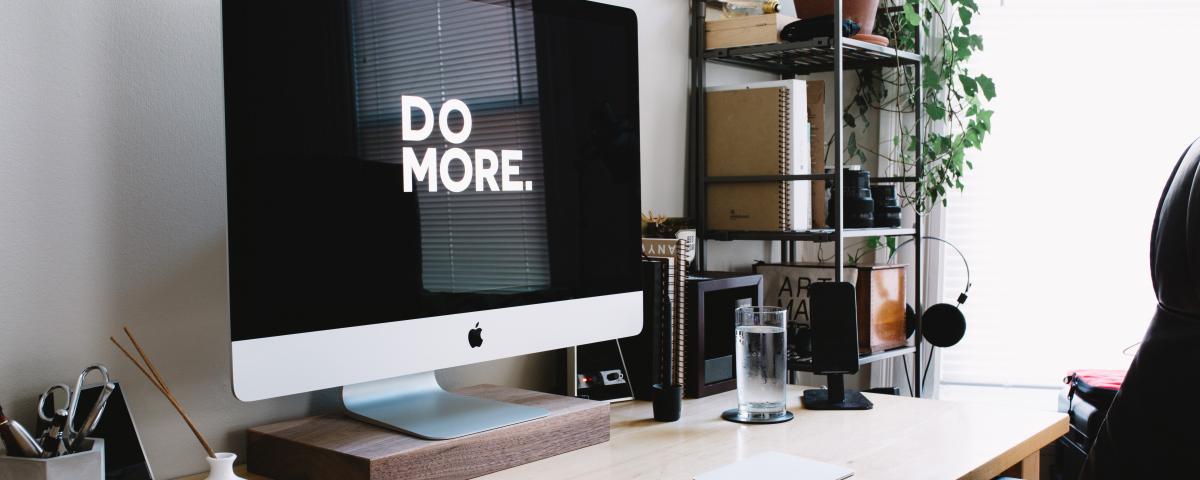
{"x":761,"y":369}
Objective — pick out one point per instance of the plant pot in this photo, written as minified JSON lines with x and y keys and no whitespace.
{"x":861,"y":11}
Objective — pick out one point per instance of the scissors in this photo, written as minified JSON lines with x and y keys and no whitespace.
{"x":72,"y":395}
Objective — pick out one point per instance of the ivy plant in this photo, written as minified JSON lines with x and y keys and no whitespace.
{"x":957,"y":117}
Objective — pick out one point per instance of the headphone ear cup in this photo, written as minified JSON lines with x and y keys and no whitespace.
{"x":944,"y":325}
{"x":910,"y":321}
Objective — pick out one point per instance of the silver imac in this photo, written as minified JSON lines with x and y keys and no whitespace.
{"x":415,"y":185}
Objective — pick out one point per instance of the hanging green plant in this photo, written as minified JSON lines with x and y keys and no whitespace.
{"x":957,"y":118}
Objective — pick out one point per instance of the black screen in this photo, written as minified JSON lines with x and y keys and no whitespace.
{"x":834,"y":323}
{"x":398,"y":159}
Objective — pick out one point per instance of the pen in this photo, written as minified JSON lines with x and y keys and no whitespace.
{"x":55,"y":440}
{"x":17,"y":440}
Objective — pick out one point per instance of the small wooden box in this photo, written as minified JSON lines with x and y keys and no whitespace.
{"x":338,"y":447}
{"x":742,"y":31}
{"x":879,"y":290}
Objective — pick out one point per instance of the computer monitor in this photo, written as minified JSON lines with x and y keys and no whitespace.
{"x":421,"y":184}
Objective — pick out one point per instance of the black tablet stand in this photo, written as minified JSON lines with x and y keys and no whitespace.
{"x":836,"y":397}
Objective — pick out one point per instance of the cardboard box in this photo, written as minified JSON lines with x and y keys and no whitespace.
{"x":879,"y":290}
{"x":742,"y":31}
{"x":816,"y":143}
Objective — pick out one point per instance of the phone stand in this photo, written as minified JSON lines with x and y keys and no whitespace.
{"x":836,"y":397}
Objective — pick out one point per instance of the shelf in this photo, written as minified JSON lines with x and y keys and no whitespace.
{"x":789,"y":178}
{"x":817,"y":235}
{"x":788,"y":60}
{"x":811,"y":56}
{"x":766,"y":178}
{"x":805,"y":365}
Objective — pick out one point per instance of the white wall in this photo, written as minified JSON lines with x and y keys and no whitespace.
{"x":112,"y":207}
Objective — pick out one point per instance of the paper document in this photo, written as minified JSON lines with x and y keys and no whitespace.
{"x":778,"y":465}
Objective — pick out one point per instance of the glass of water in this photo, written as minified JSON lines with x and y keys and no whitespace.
{"x":760,"y":358}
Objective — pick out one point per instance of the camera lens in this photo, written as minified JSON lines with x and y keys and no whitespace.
{"x":859,"y":205}
{"x":887,"y":206}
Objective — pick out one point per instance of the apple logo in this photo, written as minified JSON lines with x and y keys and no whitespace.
{"x":475,"y":336}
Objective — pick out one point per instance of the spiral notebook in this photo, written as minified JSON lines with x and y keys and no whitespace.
{"x":758,"y":129}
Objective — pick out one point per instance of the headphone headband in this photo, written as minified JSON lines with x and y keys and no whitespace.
{"x":962,"y":297}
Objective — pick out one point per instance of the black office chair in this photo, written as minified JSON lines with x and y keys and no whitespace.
{"x":1152,"y":429}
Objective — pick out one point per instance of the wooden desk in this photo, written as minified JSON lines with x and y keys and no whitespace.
{"x":901,"y":438}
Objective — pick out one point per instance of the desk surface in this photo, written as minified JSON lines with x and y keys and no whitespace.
{"x":900,"y":438}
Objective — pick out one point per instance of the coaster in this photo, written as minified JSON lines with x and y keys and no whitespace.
{"x":733,"y":416}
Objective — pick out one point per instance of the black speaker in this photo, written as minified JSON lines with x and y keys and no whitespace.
{"x":712,"y":298}
{"x":644,"y":353}
{"x":835,"y":346}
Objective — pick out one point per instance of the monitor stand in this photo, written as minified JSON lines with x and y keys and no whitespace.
{"x":417,"y":405}
{"x":836,"y":397}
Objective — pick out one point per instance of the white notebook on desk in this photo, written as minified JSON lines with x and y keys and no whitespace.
{"x":778,"y":465}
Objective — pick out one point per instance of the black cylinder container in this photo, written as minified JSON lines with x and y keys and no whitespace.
{"x":858,"y":204}
{"x":887,"y":206}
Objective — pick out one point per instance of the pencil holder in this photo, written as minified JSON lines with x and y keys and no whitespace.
{"x":87,"y":465}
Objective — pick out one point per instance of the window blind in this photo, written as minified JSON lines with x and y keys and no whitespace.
{"x":482,"y":53}
{"x":1056,"y":216}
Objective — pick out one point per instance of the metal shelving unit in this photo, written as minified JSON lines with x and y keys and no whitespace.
{"x":832,"y":54}
{"x":811,"y":56}
{"x":805,"y":364}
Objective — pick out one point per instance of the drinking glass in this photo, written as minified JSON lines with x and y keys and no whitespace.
{"x":760,"y":358}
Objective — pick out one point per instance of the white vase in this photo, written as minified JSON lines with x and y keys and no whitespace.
{"x":221,"y":468}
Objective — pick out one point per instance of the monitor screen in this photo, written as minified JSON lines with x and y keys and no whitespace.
{"x":391,"y":160}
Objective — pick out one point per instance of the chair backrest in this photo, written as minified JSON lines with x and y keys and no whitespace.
{"x":1150,"y":431}
{"x":1175,"y":238}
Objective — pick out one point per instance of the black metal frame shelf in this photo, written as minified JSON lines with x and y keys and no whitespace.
{"x":812,"y":56}
{"x":816,"y":235}
{"x":832,"y":54}
{"x":806,"y":365}
{"x":786,"y":178}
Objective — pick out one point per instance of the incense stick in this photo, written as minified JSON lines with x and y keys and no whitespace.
{"x":158,"y":382}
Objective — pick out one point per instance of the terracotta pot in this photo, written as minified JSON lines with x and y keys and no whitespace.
{"x":861,"y":11}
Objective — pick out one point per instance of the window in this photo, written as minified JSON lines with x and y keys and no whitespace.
{"x":1094,"y":107}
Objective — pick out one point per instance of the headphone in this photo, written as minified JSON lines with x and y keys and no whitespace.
{"x":944,"y":323}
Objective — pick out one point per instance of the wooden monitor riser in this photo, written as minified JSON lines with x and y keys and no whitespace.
{"x":334,"y":446}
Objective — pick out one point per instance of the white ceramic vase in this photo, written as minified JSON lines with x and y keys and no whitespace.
{"x":221,"y":468}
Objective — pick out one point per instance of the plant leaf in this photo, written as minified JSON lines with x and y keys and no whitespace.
{"x":968,"y":84}
{"x":964,"y":13}
{"x":910,"y":15}
{"x":935,"y":110}
{"x":985,"y":119}
{"x":987,"y":86}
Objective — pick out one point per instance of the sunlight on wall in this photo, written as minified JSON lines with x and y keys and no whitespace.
{"x":1095,"y":105}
